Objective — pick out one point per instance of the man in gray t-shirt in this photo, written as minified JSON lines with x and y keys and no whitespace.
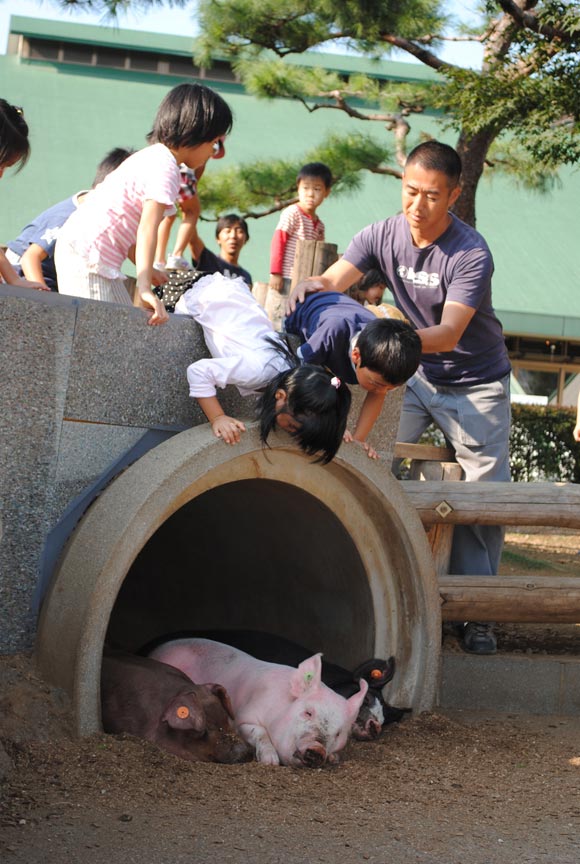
{"x":439,"y":271}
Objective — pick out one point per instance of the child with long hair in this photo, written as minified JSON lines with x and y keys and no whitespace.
{"x":14,"y":150}
{"x":309,"y":402}
{"x":121,"y":217}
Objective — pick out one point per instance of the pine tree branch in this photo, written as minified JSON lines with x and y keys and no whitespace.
{"x":529,"y":21}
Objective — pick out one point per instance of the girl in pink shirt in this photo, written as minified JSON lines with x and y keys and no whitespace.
{"x":119,"y":219}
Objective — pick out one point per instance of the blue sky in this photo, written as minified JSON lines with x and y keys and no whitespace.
{"x":181,"y":22}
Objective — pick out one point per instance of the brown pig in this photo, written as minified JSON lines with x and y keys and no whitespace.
{"x":152,"y":700}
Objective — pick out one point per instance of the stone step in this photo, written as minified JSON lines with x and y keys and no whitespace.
{"x":511,"y":683}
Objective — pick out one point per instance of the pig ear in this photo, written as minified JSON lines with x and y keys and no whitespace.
{"x":306,"y":678}
{"x":355,"y":702}
{"x":222,"y":695}
{"x":184,"y":712}
{"x":376,"y":672}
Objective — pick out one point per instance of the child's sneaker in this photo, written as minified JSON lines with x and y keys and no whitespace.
{"x":177,"y":262}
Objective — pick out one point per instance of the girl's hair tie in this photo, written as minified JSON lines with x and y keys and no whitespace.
{"x":335,"y":382}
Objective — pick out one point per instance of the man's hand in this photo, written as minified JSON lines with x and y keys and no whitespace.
{"x":370,"y":451}
{"x":307,"y":286}
{"x":227,"y":428}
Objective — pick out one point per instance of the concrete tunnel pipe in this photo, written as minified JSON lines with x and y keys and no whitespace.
{"x":196,"y":534}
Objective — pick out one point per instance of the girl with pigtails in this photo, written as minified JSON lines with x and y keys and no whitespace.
{"x":307,"y":401}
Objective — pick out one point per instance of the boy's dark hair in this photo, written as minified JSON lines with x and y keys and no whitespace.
{"x":320,"y":408}
{"x":14,"y":143}
{"x":436,"y":156}
{"x":229,"y":220}
{"x":391,"y":348}
{"x":190,"y":114}
{"x":111,"y":161}
{"x":318,"y":170}
{"x":371,"y":277}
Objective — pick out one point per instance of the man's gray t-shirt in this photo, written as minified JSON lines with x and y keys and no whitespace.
{"x":458,"y":266}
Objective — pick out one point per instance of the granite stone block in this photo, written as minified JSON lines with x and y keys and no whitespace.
{"x":503,"y":683}
{"x":36,"y":337}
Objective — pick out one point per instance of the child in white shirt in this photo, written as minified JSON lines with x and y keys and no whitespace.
{"x":308,"y":401}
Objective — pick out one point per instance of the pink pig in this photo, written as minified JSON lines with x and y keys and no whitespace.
{"x":288,"y":715}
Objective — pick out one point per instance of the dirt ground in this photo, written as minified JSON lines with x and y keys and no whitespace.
{"x":435,"y":789}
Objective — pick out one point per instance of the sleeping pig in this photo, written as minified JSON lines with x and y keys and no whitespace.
{"x":374,"y":712}
{"x":288,"y":715}
{"x":151,"y":700}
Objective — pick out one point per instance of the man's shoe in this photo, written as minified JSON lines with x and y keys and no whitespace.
{"x":479,"y":638}
{"x":177,"y":262}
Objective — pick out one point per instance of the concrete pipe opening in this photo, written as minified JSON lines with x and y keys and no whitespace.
{"x":197,"y":535}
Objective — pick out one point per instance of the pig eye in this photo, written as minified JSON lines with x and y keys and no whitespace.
{"x":308,"y":714}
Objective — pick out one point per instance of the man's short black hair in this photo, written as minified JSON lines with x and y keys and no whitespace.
{"x":229,"y":221}
{"x":436,"y":156}
{"x":318,"y":170}
{"x":391,"y":348}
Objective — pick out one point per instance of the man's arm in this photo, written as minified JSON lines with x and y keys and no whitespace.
{"x":338,"y":277}
{"x":445,"y":335}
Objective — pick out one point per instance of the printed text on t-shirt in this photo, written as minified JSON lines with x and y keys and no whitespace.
{"x":421,"y":277}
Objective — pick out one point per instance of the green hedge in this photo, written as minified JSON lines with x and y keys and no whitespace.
{"x":541,"y":444}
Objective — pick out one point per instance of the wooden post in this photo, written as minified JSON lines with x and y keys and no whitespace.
{"x":312,"y":258}
{"x":427,"y":463}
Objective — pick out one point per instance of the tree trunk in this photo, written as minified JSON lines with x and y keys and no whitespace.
{"x":473,"y":152}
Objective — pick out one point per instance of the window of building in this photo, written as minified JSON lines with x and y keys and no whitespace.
{"x":120,"y":58}
{"x":43,"y":50}
{"x":143,"y":61}
{"x":114,"y":58}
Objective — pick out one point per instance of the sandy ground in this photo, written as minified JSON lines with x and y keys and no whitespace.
{"x":437,"y":789}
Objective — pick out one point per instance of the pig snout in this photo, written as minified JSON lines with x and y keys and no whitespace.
{"x":312,"y":756}
{"x":369,"y":723}
{"x":366,"y":730}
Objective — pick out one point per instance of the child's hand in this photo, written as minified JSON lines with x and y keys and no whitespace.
{"x":576,"y":432}
{"x":21,"y":282}
{"x":227,"y":428}
{"x":276,"y":282}
{"x":370,"y":451}
{"x":155,"y":309}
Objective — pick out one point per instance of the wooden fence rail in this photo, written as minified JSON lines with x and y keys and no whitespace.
{"x":507,"y":598}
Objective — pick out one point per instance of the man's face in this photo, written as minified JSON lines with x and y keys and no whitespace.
{"x":427,"y":197}
{"x":232,"y":239}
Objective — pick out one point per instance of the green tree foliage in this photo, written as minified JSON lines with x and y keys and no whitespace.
{"x":541,"y":444}
{"x":519,"y":113}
